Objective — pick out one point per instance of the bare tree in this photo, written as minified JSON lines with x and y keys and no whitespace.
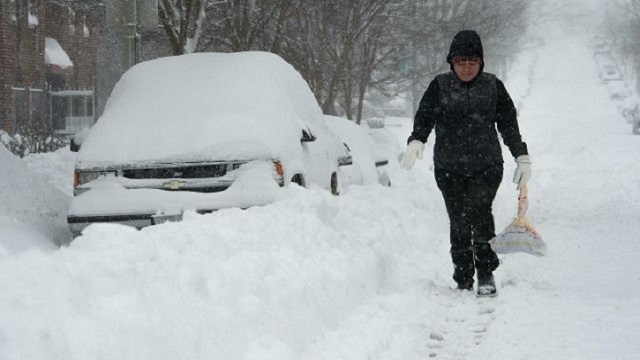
{"x":182,"y":21}
{"x":622,"y":29}
{"x":345,"y":48}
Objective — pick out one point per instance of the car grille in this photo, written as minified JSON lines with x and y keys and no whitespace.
{"x":183,"y":172}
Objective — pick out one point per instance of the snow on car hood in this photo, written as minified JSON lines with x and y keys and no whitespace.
{"x":254,"y":186}
{"x":205,"y":106}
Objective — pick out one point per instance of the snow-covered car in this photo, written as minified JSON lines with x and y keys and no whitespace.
{"x":202,"y":132}
{"x":610,"y":74}
{"x":369,"y":164}
{"x":606,"y":66}
{"x":618,"y":90}
{"x":597,"y":42}
{"x":603,"y":50}
{"x":630,"y":108}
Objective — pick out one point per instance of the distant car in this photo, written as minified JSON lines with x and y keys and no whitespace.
{"x":604,"y":59}
{"x":601,"y":50}
{"x":630,"y":108}
{"x":635,"y":127}
{"x":369,"y":164}
{"x":610,"y":74}
{"x":607,"y":67}
{"x":597,"y":42}
{"x":202,"y":132}
{"x":619,"y":91}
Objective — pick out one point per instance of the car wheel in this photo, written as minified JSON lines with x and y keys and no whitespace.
{"x":334,"y":184}
{"x":298,"y":179}
{"x":384,"y":180}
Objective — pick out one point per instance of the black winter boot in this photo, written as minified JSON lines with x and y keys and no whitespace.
{"x":486,"y":284}
{"x":465,"y":286}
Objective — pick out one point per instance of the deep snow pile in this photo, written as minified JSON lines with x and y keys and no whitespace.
{"x":365,"y":275}
{"x":29,"y":205}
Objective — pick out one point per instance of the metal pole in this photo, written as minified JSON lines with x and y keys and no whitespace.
{"x":129,"y":41}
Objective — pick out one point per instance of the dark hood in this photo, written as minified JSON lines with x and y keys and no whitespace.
{"x":466,"y":43}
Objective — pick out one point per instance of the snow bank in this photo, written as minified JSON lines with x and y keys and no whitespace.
{"x":27,"y":198}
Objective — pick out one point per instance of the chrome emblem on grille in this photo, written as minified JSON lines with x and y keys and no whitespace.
{"x":174,"y":185}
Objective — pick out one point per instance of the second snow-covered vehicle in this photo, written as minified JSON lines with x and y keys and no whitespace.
{"x":369,"y":164}
{"x":202,"y":132}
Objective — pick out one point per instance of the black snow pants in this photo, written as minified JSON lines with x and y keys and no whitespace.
{"x":469,"y":200}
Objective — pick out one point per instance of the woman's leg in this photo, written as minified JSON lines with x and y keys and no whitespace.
{"x":454,"y":189}
{"x":482,"y":191}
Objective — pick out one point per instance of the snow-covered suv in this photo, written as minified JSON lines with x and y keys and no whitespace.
{"x":202,"y":132}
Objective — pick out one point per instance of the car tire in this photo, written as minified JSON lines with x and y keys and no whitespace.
{"x":298,"y":179}
{"x":335,"y":185}
{"x":384,"y":180}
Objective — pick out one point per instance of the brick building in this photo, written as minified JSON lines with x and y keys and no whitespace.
{"x":48,"y":63}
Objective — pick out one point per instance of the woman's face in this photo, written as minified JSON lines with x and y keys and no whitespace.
{"x":467,"y":70}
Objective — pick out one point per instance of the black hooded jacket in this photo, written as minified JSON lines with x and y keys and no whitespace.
{"x":465,"y":116}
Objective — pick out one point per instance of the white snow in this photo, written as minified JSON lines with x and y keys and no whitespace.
{"x":366,"y":275}
{"x":31,"y":204}
{"x":249,"y":104}
{"x":54,"y":54}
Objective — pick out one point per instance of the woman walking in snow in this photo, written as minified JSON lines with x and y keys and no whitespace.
{"x":465,"y":106}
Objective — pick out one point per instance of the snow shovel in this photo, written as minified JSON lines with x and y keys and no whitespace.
{"x":520,"y":235}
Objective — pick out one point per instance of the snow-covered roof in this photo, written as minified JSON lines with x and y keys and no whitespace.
{"x":54,"y":54}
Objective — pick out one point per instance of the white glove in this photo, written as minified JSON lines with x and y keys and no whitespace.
{"x":413,"y":152}
{"x":523,"y":171}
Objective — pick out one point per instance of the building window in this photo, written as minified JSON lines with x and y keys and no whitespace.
{"x":35,"y":105}
{"x":58,"y":110}
{"x":71,"y":110}
{"x":18,"y":103}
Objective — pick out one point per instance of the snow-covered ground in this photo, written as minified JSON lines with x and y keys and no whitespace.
{"x":366,"y":275}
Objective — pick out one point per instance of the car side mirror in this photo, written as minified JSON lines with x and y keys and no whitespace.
{"x":74,"y":146}
{"x":77,"y":139}
{"x":307,"y":136}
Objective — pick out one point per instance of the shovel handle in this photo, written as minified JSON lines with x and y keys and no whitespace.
{"x":523,"y":201}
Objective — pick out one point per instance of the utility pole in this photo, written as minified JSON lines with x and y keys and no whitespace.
{"x":130,"y":25}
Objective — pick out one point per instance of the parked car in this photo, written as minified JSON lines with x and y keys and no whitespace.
{"x":601,"y":50}
{"x":610,"y":74}
{"x":607,"y":66}
{"x":604,"y":59}
{"x":202,"y":132}
{"x":369,"y":164}
{"x":618,"y":90}
{"x":597,"y":42}
{"x":629,"y":108}
{"x":635,"y":127}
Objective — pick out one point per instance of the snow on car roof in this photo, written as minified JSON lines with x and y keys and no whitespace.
{"x":223,"y":105}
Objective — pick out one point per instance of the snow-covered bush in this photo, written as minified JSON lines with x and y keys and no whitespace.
{"x":31,"y":139}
